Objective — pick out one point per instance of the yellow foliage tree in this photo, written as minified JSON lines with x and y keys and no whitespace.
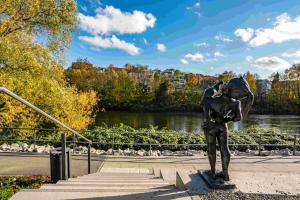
{"x":251,"y":80}
{"x":32,"y":71}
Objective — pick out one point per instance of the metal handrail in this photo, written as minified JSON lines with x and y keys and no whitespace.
{"x":13,"y":95}
{"x":65,"y":171}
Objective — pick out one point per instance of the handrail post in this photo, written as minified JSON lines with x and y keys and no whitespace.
{"x":113,"y":142}
{"x":89,"y":158}
{"x":63,"y":157}
{"x":34,"y":141}
{"x":74,"y":143}
{"x":150,"y":146}
{"x":259,"y":145}
{"x":294,"y":146}
{"x":188,"y":143}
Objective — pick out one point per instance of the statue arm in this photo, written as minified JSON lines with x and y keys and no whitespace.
{"x":207,"y":121}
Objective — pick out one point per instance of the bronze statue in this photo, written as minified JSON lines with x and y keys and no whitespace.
{"x":233,"y":104}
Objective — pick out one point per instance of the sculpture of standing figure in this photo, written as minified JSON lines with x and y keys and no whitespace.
{"x":232,"y":104}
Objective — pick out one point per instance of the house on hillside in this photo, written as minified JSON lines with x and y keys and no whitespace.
{"x":177,"y":77}
{"x":263,"y":86}
{"x":206,"y":81}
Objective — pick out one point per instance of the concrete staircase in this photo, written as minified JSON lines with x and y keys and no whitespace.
{"x":108,"y":186}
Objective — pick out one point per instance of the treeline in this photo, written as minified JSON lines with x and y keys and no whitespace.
{"x":138,"y":88}
{"x":284,"y":94}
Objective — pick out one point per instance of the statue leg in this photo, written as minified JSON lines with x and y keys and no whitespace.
{"x":211,"y":150}
{"x":225,"y":152}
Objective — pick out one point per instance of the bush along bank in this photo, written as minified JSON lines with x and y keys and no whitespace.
{"x":10,"y":185}
{"x":125,"y":140}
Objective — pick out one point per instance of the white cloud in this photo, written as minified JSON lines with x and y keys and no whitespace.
{"x":112,"y":20}
{"x":202,"y":44}
{"x":218,"y":54}
{"x":223,"y":38}
{"x":194,"y":57}
{"x":197,"y":4}
{"x":184,"y":61}
{"x":249,"y":59}
{"x":272,"y":64}
{"x":284,"y":29}
{"x":161,"y":47}
{"x":111,"y":42}
{"x":292,"y":55}
{"x":244,"y":34}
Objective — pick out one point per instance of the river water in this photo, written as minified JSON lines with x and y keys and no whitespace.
{"x":192,"y":121}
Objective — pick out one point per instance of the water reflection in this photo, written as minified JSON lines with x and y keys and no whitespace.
{"x":192,"y":121}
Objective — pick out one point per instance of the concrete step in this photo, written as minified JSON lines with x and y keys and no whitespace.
{"x":126,"y":170}
{"x":114,"y":181}
{"x":92,"y":194}
{"x":168,"y":175}
{"x":108,"y":187}
{"x":119,"y":175}
{"x":156,"y":172}
{"x":113,"y":184}
{"x":191,"y":181}
{"x":116,"y":178}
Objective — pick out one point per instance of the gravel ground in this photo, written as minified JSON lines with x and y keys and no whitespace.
{"x":225,"y":195}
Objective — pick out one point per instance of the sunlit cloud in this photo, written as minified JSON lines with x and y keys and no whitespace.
{"x":284,"y":29}
{"x":223,"y":38}
{"x":111,"y":43}
{"x":273,"y":64}
{"x":161,"y":47}
{"x":112,"y":20}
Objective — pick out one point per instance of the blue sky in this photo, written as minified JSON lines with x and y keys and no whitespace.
{"x":202,"y":36}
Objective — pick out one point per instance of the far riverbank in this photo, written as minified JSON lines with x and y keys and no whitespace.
{"x":192,"y":121}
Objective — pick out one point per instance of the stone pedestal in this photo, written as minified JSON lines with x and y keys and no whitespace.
{"x":217,"y":182}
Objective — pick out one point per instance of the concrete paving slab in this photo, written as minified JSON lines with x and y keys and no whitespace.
{"x":267,"y":183}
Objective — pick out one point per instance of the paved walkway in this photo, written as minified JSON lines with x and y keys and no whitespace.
{"x":39,"y":164}
{"x":238,"y":163}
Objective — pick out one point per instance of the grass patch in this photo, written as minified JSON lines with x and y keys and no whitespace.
{"x":9,"y":185}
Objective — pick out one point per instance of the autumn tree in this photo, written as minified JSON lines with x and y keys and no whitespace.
{"x":250,"y":78}
{"x":85,"y":76}
{"x":33,"y":70}
{"x":226,"y":76}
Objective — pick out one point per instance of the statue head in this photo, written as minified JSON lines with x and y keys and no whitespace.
{"x":210,"y":92}
{"x":238,"y":88}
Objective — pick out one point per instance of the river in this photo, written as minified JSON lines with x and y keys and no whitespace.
{"x":192,"y":121}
